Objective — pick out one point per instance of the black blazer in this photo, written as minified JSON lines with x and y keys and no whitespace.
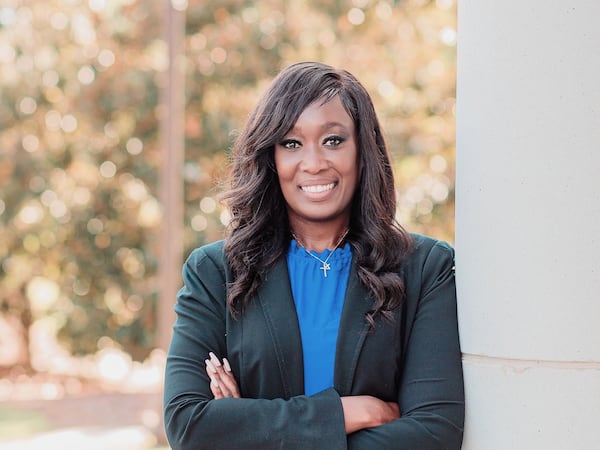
{"x":414,"y":360}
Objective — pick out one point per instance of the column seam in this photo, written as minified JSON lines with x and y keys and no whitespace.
{"x":519,"y":363}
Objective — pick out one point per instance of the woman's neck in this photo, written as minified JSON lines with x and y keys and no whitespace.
{"x":318,"y":238}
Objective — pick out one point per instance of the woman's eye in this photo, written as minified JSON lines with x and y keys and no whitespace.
{"x":333,"y":141}
{"x":290,"y":144}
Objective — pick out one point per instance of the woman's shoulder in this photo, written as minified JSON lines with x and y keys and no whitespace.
{"x":423,"y":246}
{"x":213,"y":252}
{"x":428,"y":259}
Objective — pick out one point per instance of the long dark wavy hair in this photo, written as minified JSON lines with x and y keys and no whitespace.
{"x":259,"y":230}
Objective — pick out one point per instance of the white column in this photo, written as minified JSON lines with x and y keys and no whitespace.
{"x":528,"y":222}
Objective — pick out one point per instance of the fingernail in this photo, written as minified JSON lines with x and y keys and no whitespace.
{"x":214,"y":382}
{"x":226,"y":365}
{"x":214,"y":359}
{"x":210,"y":366}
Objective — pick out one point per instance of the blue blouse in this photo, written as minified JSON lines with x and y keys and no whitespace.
{"x":319,"y":301}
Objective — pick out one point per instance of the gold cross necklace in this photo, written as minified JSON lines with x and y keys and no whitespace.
{"x":326,"y":266}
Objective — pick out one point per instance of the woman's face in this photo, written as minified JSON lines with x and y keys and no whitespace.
{"x":317,"y":164}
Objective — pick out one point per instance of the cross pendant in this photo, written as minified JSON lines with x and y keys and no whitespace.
{"x":325,"y":267}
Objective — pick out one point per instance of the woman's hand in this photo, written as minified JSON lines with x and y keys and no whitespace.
{"x":365,"y":411}
{"x":222,"y":382}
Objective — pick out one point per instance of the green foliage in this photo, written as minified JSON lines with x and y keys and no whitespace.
{"x":79,"y":149}
{"x":79,"y":178}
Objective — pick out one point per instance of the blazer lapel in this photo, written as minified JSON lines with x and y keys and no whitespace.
{"x":352,"y":332}
{"x":279,"y":310}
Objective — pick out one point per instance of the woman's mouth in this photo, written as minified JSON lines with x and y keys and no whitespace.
{"x":318,"y":188}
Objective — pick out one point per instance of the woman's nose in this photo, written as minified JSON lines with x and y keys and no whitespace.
{"x":313,"y":159}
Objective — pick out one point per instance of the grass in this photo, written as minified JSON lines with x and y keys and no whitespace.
{"x":17,"y":423}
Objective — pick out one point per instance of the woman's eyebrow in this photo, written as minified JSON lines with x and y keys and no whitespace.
{"x":328,"y":125}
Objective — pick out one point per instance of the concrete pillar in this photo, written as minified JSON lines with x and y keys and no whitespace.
{"x":528,"y":222}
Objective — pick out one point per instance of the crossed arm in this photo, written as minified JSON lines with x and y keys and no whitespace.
{"x":360,"y":411}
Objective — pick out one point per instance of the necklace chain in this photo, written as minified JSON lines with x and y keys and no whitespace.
{"x":326,"y":266}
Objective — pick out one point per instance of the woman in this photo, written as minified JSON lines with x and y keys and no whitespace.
{"x":319,"y":323}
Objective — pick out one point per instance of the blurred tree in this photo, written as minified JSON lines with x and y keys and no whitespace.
{"x":79,"y":152}
{"x":78,"y":184}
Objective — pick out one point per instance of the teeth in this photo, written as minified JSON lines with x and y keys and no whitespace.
{"x":318,"y":188}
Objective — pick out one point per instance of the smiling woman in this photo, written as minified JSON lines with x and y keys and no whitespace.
{"x":317,"y":169}
{"x":319,"y":322}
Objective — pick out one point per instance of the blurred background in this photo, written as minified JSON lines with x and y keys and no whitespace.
{"x":82,"y":126}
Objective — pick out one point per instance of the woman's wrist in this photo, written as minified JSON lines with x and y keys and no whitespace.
{"x":365,"y":411}
{"x":358,"y":412}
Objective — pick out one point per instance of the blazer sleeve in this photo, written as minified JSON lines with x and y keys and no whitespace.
{"x":194,"y":419}
{"x":431,"y":395}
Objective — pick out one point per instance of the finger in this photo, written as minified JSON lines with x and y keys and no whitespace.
{"x":222,"y":369}
{"x":229,"y":379}
{"x":228,"y":383}
{"x":223,"y":374}
{"x":214,"y":382}
{"x":214,"y":359}
{"x":215,"y":389}
{"x":394,"y":409}
{"x":210,"y":367}
{"x":225,"y":383}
